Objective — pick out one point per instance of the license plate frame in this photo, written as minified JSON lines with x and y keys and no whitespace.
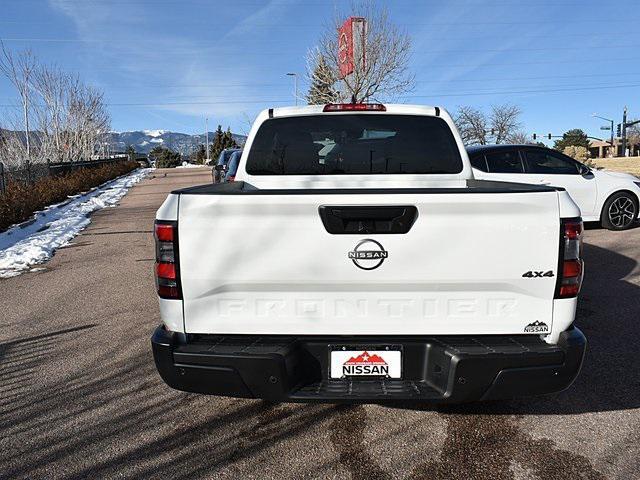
{"x":363,"y":369}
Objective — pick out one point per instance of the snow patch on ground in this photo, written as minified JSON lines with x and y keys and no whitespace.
{"x":55,"y":226}
{"x":190,"y":165}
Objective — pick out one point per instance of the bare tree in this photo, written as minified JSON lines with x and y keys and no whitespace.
{"x":71,"y":118}
{"x":633,"y":135}
{"x":12,"y":148}
{"x":472,"y":125}
{"x":19,"y":70}
{"x":383,"y":71}
{"x":504,"y":122}
{"x":247,"y":123}
{"x":501,"y":126}
{"x":87,"y":120}
{"x":519,"y":138}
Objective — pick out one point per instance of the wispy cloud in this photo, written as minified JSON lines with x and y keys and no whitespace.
{"x":140,"y":52}
{"x":444,"y":52}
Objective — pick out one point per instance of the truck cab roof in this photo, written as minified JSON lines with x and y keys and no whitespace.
{"x":383,"y":145}
{"x":390,"y":109}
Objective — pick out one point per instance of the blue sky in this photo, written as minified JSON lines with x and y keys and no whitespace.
{"x":167,"y":64}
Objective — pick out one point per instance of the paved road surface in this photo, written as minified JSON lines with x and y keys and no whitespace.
{"x":80,"y":398}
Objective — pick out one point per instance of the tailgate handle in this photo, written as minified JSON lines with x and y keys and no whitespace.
{"x":378,"y":219}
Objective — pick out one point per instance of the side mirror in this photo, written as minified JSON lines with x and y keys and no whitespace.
{"x":220,"y":168}
{"x":584,"y":170}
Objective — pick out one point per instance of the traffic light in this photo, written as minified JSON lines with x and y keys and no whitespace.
{"x":619,"y":130}
{"x":549,"y":136}
{"x":535,"y":136}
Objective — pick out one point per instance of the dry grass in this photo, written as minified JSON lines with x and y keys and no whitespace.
{"x":620,"y":164}
{"x":21,"y":200}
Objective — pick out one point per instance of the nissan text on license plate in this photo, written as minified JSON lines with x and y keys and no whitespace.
{"x":365,"y":363}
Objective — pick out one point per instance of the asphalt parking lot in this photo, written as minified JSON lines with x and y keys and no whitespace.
{"x":80,"y":397}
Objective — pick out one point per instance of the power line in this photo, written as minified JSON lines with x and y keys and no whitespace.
{"x":498,"y":92}
{"x":432,"y":95}
{"x":545,"y":62}
{"x":253,"y":65}
{"x":132,"y":86}
{"x":491,"y":90}
{"x":280,"y":53}
{"x":482,"y":3}
{"x":542,"y":77}
{"x":501,"y":92}
{"x":428,"y":24}
{"x":522,"y":36}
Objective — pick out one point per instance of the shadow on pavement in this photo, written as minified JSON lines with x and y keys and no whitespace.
{"x":597,"y":226}
{"x":116,"y":417}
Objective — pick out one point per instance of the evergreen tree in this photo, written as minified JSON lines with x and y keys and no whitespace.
{"x":165,"y":158}
{"x":228,"y":140}
{"x":200,"y":155}
{"x":216,"y":146}
{"x":322,"y":89}
{"x":221,"y":141}
{"x":572,"y":138}
{"x":131,"y":152}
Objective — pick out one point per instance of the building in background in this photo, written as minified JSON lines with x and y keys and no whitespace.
{"x":602,"y":149}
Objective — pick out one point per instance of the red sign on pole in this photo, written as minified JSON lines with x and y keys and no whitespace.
{"x":345,"y":47}
{"x":352,"y":40}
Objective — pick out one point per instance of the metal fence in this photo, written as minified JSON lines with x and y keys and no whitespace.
{"x":36,"y":171}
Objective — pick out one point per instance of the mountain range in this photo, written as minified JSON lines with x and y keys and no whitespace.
{"x":146,"y":140}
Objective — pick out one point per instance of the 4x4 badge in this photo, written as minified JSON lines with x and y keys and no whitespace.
{"x":368,"y":254}
{"x":536,"y":327}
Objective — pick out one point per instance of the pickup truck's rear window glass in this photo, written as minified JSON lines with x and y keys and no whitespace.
{"x":354,"y":144}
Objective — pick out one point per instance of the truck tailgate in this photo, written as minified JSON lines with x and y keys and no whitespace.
{"x":266,"y":264}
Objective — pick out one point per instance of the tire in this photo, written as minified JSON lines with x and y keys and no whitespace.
{"x":620,"y":211}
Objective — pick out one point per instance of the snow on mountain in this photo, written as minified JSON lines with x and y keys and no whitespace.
{"x":145,"y":140}
{"x":154,"y":133}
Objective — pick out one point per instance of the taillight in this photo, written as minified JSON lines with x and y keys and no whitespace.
{"x":357,"y":107}
{"x":167,"y":271}
{"x":571,"y":268}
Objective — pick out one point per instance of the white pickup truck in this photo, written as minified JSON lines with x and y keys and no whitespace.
{"x":355,"y":258}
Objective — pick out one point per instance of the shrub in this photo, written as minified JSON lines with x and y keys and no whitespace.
{"x":21,"y":200}
{"x":578,"y":153}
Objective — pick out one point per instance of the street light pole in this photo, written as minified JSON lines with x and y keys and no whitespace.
{"x":611,"y":133}
{"x":608,"y":120}
{"x":295,"y":85}
{"x":624,"y":132}
{"x":206,"y":136}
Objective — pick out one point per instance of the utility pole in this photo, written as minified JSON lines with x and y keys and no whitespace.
{"x":295,"y":85}
{"x":206,"y":136}
{"x":604,"y":128}
{"x":624,"y":132}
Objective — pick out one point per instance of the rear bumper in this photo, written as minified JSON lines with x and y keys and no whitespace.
{"x":439,"y":369}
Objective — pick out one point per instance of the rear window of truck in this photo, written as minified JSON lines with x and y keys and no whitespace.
{"x":354,"y":144}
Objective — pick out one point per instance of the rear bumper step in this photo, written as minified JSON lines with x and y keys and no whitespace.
{"x":439,"y":368}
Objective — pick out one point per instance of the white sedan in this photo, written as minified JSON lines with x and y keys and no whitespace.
{"x":610,"y":198}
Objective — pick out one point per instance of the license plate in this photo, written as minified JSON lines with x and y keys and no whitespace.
{"x":365,"y":363}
